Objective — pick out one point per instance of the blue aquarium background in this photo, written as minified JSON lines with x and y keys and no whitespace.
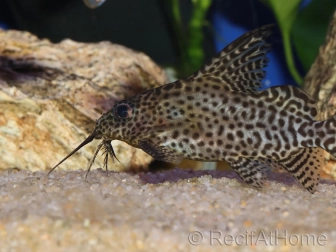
{"x":231,"y":20}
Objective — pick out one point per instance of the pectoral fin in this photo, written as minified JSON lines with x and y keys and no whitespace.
{"x":161,"y":153}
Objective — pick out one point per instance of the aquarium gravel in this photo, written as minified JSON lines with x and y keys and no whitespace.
{"x":175,"y":210}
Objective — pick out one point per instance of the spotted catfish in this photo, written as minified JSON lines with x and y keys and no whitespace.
{"x":220,"y":113}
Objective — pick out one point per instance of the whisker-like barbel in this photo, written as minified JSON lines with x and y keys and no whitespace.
{"x":89,"y":139}
{"x":94,"y":157}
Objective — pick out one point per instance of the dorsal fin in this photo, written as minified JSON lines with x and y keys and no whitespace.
{"x":240,"y":64}
{"x":291,"y":99}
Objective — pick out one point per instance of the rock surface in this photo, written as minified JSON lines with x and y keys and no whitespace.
{"x":51,"y":95}
{"x":165,"y":211}
{"x":320,"y":83}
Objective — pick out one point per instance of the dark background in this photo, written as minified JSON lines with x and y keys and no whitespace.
{"x":142,"y":25}
{"x":145,"y":25}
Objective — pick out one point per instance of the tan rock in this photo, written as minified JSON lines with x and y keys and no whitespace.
{"x":320,"y":83}
{"x":51,"y":95}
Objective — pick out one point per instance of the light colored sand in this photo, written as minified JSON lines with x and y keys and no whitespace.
{"x":157,"y":212}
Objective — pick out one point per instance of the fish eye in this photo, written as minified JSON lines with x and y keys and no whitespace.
{"x":123,"y":111}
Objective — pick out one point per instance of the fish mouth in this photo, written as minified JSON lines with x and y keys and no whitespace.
{"x":108,"y":151}
{"x":105,"y":144}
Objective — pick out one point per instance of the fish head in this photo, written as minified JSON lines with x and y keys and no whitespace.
{"x":117,"y":122}
{"x":108,"y":127}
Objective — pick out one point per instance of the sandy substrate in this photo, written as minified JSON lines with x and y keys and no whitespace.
{"x":165,"y":211}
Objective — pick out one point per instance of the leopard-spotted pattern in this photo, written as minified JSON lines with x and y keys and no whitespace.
{"x":219,"y":113}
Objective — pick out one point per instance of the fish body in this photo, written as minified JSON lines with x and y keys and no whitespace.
{"x":221,"y":113}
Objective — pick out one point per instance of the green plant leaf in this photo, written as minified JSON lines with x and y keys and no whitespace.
{"x":285,"y":12}
{"x":197,"y":21}
{"x":189,"y":39}
{"x":310,"y":29}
